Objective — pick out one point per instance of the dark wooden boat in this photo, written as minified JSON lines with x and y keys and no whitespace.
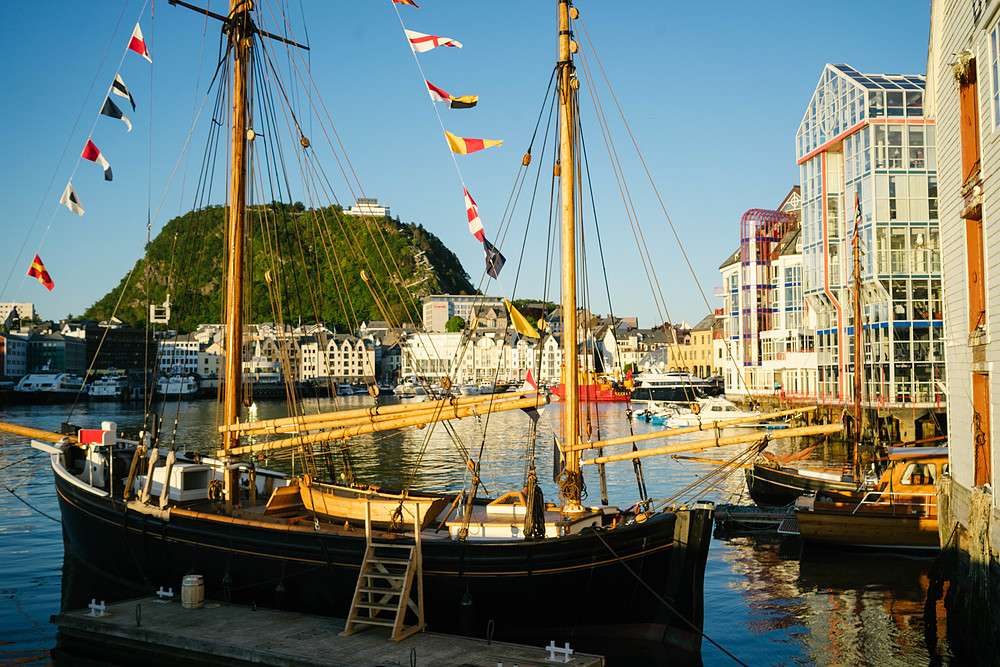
{"x":774,"y":484}
{"x":570,"y":574}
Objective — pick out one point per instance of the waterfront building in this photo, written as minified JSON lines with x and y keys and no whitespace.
{"x":13,"y":355}
{"x":179,"y":355}
{"x":117,"y":348}
{"x":439,"y":308}
{"x":963,"y":86}
{"x":209,"y":359}
{"x":769,"y":328}
{"x":367,"y":206}
{"x":702,"y":337}
{"x":57,"y":353}
{"x":485,"y":356}
{"x":867,"y":135}
{"x":340,"y":357}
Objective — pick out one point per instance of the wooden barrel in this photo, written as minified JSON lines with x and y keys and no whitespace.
{"x":192,"y":591}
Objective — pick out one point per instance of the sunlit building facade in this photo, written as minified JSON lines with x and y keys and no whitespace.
{"x":866,"y":134}
{"x":769,"y":331}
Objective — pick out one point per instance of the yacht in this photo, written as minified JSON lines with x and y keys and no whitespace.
{"x":710,"y":410}
{"x":178,"y":386}
{"x":673,"y":387}
{"x":54,"y":383}
{"x":107,"y":388}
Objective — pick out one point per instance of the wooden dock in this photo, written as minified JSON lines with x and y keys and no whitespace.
{"x":752,"y":518}
{"x":221,"y":635}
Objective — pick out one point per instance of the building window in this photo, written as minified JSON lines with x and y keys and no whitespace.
{"x":995,"y":74}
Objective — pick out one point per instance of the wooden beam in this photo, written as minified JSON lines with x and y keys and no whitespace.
{"x":447,"y":412}
{"x":365,"y":415}
{"x":36,"y":433}
{"x":715,"y":442}
{"x":629,"y":439}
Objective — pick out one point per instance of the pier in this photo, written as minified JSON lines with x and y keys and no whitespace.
{"x":149,"y":630}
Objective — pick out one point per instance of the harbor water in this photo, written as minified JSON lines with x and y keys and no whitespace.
{"x":767,"y":600}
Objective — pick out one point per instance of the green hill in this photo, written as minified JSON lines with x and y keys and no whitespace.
{"x":306,"y":266}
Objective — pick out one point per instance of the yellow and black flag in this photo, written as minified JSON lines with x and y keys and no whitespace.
{"x":463,"y":102}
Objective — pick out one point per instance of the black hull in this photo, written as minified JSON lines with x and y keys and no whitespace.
{"x":571,"y":589}
{"x":777,"y":487}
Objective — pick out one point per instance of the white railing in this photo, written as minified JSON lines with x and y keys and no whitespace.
{"x":877,"y":500}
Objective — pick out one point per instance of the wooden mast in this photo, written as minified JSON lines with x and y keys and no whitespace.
{"x":240,"y":40}
{"x":567,"y":175}
{"x":858,"y":339}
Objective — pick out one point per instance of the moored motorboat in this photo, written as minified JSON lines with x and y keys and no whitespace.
{"x":107,"y":388}
{"x":673,"y":387}
{"x":899,"y":513}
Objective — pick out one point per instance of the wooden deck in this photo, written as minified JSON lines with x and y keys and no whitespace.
{"x":221,"y":635}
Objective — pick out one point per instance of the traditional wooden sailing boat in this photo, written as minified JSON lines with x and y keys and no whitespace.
{"x":536,"y":572}
{"x":899,"y":513}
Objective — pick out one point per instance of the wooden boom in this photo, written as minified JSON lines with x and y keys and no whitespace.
{"x":629,"y":439}
{"x":363,"y":415}
{"x":35,"y":433}
{"x":445,"y":412}
{"x":715,"y":442}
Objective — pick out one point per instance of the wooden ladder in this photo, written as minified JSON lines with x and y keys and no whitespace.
{"x":383,"y":592}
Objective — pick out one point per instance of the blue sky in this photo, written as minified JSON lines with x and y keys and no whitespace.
{"x":713,"y":92}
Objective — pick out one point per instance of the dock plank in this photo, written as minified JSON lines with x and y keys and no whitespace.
{"x":232,"y":634}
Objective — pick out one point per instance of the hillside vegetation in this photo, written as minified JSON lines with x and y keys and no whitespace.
{"x":310,"y":260}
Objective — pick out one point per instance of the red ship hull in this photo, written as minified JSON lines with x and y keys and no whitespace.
{"x":591,"y":393}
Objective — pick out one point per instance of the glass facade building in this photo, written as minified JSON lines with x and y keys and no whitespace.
{"x":865,"y":135}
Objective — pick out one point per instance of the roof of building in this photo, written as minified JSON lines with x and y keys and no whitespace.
{"x":881,"y":81}
{"x":707,"y":323}
{"x":789,"y":242}
{"x":732,"y":259}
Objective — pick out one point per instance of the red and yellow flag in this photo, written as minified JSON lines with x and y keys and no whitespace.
{"x":407,"y":2}
{"x":463,"y":146}
{"x":37,"y":270}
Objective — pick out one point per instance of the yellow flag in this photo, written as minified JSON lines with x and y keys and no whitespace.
{"x":520,"y":322}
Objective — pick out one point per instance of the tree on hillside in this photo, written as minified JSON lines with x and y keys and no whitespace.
{"x":454,"y":325}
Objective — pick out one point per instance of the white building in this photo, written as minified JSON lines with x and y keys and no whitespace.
{"x":439,"y":308}
{"x":492,"y":355}
{"x":769,"y":328}
{"x":179,"y":354}
{"x":866,"y":135}
{"x":368,"y":207}
{"x":25,"y":311}
{"x":340,"y":357}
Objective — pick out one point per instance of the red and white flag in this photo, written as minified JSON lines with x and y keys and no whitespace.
{"x":463,"y":102}
{"x":91,"y":153}
{"x":138,"y":44}
{"x":475,"y":224}
{"x":420,"y":42}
